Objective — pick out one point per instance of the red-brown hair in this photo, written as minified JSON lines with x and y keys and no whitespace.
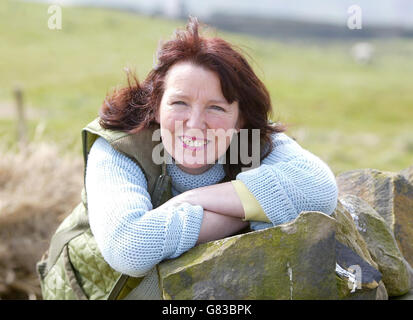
{"x":134,"y":107}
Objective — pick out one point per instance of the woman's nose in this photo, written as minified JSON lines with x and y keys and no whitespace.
{"x":196,"y":120}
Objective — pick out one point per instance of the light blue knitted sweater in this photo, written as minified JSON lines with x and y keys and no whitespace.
{"x":133,"y":238}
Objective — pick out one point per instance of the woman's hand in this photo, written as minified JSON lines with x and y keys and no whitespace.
{"x":223,"y":222}
{"x":219,"y":198}
{"x":177,"y":200}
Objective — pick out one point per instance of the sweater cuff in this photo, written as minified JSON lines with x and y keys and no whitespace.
{"x":273,"y":198}
{"x":192,"y":219}
{"x":252,"y":208}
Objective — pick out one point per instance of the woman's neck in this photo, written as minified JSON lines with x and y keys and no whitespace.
{"x":195,"y":171}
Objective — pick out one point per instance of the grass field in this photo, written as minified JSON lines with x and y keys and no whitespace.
{"x":351,"y":115}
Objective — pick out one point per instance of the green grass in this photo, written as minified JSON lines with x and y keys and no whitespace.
{"x":352,"y":116}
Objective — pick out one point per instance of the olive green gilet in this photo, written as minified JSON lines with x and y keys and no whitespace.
{"x":73,"y":267}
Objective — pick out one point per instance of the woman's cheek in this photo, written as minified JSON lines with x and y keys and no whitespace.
{"x":172,"y":124}
{"x":218,"y":121}
{"x":175,"y":119}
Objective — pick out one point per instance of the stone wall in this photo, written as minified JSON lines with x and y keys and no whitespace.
{"x":364,"y":250}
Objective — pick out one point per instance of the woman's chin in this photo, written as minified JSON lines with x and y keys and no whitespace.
{"x":194,"y":168}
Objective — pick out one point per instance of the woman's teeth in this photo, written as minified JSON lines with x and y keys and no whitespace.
{"x":194,"y":143}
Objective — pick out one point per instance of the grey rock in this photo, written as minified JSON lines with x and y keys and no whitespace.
{"x":295,"y":260}
{"x":391,"y":195}
{"x":408,"y":174}
{"x":380,"y":243}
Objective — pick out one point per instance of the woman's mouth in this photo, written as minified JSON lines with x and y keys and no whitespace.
{"x":193,"y":143}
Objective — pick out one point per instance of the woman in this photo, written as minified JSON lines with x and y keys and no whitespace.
{"x":200,"y":91}
{"x":202,"y":84}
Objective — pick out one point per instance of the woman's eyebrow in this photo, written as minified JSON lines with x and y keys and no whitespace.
{"x":218,"y":101}
{"x":185,"y":97}
{"x":178,"y":96}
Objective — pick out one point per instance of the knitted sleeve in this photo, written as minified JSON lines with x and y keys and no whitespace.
{"x":290,"y":180}
{"x":132,"y":237}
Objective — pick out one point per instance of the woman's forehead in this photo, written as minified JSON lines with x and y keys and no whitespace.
{"x":189,"y":79}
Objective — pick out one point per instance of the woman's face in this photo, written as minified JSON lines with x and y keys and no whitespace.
{"x":196,"y":121}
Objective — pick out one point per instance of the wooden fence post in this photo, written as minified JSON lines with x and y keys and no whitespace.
{"x":21,"y":119}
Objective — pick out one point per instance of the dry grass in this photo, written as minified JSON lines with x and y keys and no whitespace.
{"x":38,"y":187}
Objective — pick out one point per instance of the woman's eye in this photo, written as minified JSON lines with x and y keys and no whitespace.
{"x":218,"y":108}
{"x":179,"y":102}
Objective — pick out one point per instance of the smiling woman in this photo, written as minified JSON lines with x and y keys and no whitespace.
{"x":192,"y":109}
{"x":202,"y":95}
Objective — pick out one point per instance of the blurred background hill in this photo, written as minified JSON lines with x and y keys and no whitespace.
{"x":346,"y":94}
